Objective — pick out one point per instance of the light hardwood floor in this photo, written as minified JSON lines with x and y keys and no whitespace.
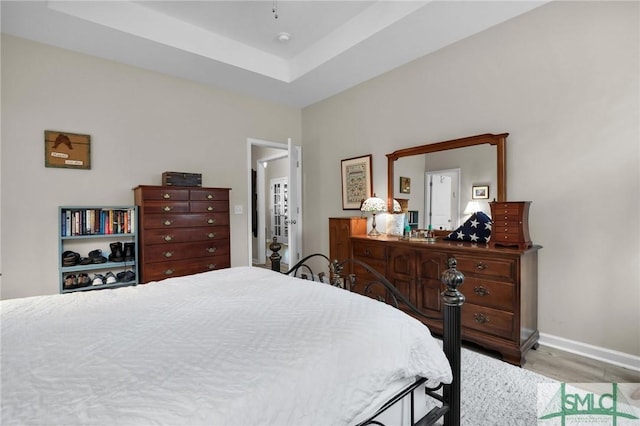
{"x":571,"y":368}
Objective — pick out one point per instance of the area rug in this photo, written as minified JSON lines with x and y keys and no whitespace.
{"x":495,"y":393}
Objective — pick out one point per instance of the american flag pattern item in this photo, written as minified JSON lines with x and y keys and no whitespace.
{"x":477,"y":229}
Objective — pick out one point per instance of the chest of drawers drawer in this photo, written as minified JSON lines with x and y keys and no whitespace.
{"x":190,"y":250}
{"x":488,"y":321}
{"x":367,"y":251}
{"x":161,"y":270}
{"x":185,"y":221}
{"x":181,"y":235}
{"x":489,"y":268}
{"x":492,"y":294}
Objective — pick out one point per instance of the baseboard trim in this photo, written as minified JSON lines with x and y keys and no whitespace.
{"x":621,"y":359}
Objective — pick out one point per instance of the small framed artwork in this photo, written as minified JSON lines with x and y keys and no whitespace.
{"x":480,"y":192}
{"x":67,"y":150}
{"x":356,"y":181}
{"x":405,"y":185}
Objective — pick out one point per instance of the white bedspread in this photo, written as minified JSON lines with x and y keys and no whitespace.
{"x":240,"y":346}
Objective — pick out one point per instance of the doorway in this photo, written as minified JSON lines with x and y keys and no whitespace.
{"x":442,"y":199}
{"x":266,"y":161}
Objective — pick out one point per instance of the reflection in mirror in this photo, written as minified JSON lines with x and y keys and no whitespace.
{"x":452,"y":168}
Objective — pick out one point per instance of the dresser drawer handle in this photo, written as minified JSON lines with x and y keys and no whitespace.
{"x":211,"y":249}
{"x":212,"y":265}
{"x":481,"y":266}
{"x":168,"y":237}
{"x":168,"y":222}
{"x":367,"y":252}
{"x":166,"y":196}
{"x":210,"y":208}
{"x":168,"y":271}
{"x":481,"y":291}
{"x":167,"y":208}
{"x":209,"y":197}
{"x":480,"y":318}
{"x":211,"y":221}
{"x":211,"y":235}
{"x":168,"y":254}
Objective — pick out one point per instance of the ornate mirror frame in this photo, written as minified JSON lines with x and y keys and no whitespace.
{"x":499,"y":140}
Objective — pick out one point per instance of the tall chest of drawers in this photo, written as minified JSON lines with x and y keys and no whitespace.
{"x":182,"y":230}
{"x":510,"y":224}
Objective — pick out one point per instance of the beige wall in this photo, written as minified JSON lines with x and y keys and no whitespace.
{"x":563,"y":80}
{"x":141,"y":124}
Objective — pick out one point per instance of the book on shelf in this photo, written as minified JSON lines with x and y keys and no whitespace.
{"x":77,"y":222}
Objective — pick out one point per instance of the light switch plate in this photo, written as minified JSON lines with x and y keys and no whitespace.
{"x":237,"y":209}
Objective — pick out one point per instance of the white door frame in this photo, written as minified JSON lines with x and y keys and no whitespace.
{"x":295,"y":184}
{"x":455,"y":196}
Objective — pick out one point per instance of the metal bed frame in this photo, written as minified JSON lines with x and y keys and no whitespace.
{"x":453,"y":300}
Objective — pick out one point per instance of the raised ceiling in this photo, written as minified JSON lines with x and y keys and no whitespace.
{"x":234,"y":45}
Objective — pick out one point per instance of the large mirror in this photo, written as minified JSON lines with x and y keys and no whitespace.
{"x":440,"y":184}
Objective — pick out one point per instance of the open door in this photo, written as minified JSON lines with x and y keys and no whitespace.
{"x":295,"y":202}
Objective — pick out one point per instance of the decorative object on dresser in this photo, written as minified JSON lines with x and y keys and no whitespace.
{"x":357,"y":184}
{"x":510,"y":224}
{"x":97,"y":247}
{"x":374,"y":205}
{"x":181,"y":179}
{"x":500,"y":313}
{"x":183,"y":230}
{"x":340,"y":231}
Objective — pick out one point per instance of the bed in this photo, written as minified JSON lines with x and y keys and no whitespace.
{"x":237,"y":346}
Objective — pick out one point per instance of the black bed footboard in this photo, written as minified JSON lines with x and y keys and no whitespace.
{"x":453,"y":300}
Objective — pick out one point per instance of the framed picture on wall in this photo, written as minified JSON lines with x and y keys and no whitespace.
{"x":480,"y":192}
{"x":405,"y":185}
{"x":356,"y":181}
{"x":67,"y":150}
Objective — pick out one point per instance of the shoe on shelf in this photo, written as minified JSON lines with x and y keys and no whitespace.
{"x":98,"y":279}
{"x":109,"y":278}
{"x":116,"y":252}
{"x":126,"y":276}
{"x":96,"y":256}
{"x":70,"y":258}
{"x":83,"y":280}
{"x":129,"y":252}
{"x":85,"y":261}
{"x":70,"y":282}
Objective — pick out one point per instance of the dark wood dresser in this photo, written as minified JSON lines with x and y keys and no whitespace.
{"x":182,"y":230}
{"x":340,"y":231}
{"x":501,"y":287}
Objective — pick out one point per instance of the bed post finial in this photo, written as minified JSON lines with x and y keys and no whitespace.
{"x":453,"y":301}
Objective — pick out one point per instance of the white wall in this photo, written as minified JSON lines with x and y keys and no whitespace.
{"x":563,"y":80}
{"x":141,"y":124}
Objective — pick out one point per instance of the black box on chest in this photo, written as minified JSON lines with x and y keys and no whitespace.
{"x":181,"y":179}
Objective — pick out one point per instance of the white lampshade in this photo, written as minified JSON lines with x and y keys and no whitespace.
{"x":397,"y":208}
{"x":374,"y":204}
{"x":472,"y":207}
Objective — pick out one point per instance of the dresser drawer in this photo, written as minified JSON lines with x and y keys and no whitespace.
{"x":209,"y":206}
{"x":506,"y":227}
{"x":166,"y":194}
{"x":366,"y":251}
{"x":186,"y":220}
{"x":181,"y":235}
{"x":180,"y":251}
{"x":501,"y":269}
{"x":492,"y":294}
{"x":161,"y":270}
{"x":165,"y":207}
{"x":507,"y":238}
{"x":208,"y":194}
{"x":487,"y":320}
